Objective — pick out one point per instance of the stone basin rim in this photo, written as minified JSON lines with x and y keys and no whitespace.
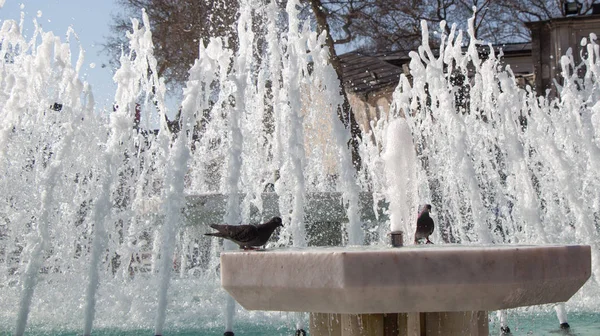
{"x":358,"y":280}
{"x":407,"y":248}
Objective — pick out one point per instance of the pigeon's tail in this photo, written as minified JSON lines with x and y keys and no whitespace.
{"x":215,"y":234}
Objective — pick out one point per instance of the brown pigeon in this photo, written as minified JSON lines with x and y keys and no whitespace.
{"x":246,"y":236}
{"x":425,"y":225}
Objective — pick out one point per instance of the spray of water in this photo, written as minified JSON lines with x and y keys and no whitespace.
{"x":94,"y":220}
{"x":400,"y":163}
{"x":500,"y":163}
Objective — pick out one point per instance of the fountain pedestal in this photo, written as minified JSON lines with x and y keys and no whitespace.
{"x":400,"y":324}
{"x":416,"y":290}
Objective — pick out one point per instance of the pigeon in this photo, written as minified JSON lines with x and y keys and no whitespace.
{"x":246,"y":236}
{"x":424,"y":225}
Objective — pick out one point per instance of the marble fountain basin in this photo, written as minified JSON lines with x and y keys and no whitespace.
{"x":366,"y":280}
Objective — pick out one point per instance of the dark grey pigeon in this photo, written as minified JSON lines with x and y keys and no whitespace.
{"x":246,"y":236}
{"x":425,"y":225}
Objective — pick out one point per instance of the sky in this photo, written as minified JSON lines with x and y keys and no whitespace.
{"x":90,"y":20}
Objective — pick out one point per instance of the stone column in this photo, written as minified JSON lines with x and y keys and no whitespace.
{"x":474,"y":323}
{"x":362,"y":325}
{"x":323,"y":324}
{"x":401,"y":324}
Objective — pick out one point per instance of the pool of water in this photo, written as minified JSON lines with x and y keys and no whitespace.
{"x":545,"y":323}
{"x":244,"y":330}
{"x":521,"y":323}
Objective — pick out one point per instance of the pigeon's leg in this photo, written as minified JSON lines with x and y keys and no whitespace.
{"x":250,"y":248}
{"x":429,"y":241}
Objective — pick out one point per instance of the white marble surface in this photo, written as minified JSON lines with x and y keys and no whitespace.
{"x":407,"y":279}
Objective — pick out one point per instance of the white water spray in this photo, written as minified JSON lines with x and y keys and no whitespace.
{"x":48,"y":181}
{"x":400,"y":163}
{"x":492,"y":157}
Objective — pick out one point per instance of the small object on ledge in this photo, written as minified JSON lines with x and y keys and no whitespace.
{"x":228,"y":333}
{"x":300,"y":332}
{"x":397,"y":238}
{"x":565,"y":325}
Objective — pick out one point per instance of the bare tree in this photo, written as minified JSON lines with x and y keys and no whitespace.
{"x":345,"y":112}
{"x":396,"y":25}
{"x":177,"y":26}
{"x":372,"y":25}
{"x":383,"y":25}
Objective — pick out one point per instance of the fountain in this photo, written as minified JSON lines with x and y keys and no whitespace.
{"x":102,"y":217}
{"x":411,"y":290}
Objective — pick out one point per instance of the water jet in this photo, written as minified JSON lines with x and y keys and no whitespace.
{"x":101,"y":216}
